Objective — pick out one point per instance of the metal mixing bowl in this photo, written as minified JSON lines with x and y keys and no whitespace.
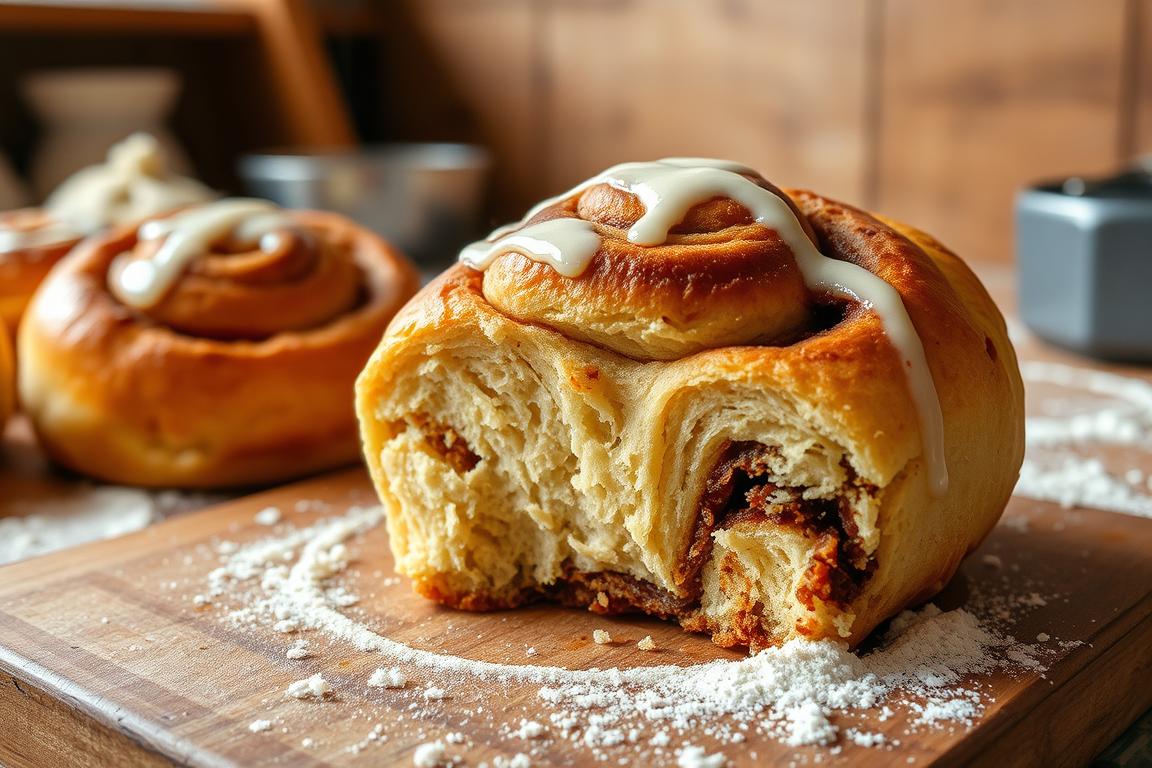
{"x":425,"y":198}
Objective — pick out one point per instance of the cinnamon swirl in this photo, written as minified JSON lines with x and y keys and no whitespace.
{"x":216,"y":346}
{"x":134,"y":183}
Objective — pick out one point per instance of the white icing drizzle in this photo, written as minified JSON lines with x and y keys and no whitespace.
{"x":668,"y":189}
{"x":567,"y":245}
{"x":143,"y":283}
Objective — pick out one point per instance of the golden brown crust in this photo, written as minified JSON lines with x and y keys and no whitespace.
{"x":23,"y":269}
{"x":116,"y":393}
{"x":7,"y":378}
{"x":875,"y":543}
{"x":719,"y":280}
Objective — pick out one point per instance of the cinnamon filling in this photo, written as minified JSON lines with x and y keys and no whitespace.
{"x":736,"y":491}
{"x":444,"y":441}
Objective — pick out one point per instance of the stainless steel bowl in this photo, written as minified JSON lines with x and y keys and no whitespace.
{"x":425,"y":198}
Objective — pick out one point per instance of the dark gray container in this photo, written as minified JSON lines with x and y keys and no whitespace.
{"x":1084,"y":259}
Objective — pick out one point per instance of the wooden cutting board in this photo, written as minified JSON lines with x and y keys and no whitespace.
{"x":106,"y":660}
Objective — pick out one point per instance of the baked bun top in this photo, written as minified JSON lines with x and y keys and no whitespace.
{"x":662,"y":260}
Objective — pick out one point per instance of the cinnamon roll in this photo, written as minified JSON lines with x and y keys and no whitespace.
{"x":7,"y":378}
{"x":216,"y":346}
{"x":679,"y":390}
{"x":134,"y":183}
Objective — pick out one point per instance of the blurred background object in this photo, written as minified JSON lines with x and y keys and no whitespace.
{"x":83,"y":112}
{"x":1084,"y":253}
{"x":930,"y":111}
{"x":427,"y":198}
{"x":13,"y":193}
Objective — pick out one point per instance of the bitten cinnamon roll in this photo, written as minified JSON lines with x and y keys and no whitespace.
{"x":134,"y":183}
{"x":216,"y":346}
{"x":680,"y":390}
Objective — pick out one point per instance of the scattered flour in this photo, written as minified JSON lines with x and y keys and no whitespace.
{"x":31,"y":528}
{"x":696,"y":757}
{"x":1093,"y":409}
{"x":393,"y":677}
{"x":299,"y":650}
{"x":268,"y":516}
{"x":430,"y":755}
{"x":315,"y":687}
{"x":259,"y":726}
{"x":927,"y":662}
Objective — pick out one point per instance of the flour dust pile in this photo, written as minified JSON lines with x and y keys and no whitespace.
{"x":1082,"y":413}
{"x":929,"y":665}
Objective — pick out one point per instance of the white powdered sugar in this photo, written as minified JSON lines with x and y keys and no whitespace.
{"x":530,"y":729}
{"x":393,"y":677}
{"x":796,"y":693}
{"x":260,"y":726}
{"x":36,"y":527}
{"x":299,"y":650}
{"x":315,"y":687}
{"x":1081,"y":411}
{"x":696,"y":757}
{"x":430,"y":755}
{"x":268,"y":516}
{"x":77,"y":513}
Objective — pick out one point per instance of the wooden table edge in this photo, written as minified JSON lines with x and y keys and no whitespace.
{"x":1000,"y":742}
{"x":40,"y":697}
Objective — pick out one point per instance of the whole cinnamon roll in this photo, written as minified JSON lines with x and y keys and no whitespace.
{"x":216,"y":346}
{"x":680,"y":390}
{"x":7,"y":378}
{"x":134,"y":183}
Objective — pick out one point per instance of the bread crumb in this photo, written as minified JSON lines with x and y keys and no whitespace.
{"x":315,"y":687}
{"x":1043,"y":637}
{"x":201,"y":600}
{"x":268,"y":516}
{"x":601,"y":637}
{"x":646,"y":643}
{"x":393,"y":677}
{"x":602,"y":599}
{"x":993,"y":561}
{"x":259,"y":726}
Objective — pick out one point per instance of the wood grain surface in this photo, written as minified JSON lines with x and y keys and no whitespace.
{"x":105,"y":646}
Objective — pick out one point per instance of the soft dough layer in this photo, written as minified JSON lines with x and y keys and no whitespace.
{"x":757,"y":493}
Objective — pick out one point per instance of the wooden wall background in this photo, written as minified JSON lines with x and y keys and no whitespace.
{"x":935,"y":111}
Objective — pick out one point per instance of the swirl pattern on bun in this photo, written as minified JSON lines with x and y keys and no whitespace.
{"x":134,"y":183}
{"x":681,"y":390}
{"x":215,"y":346}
